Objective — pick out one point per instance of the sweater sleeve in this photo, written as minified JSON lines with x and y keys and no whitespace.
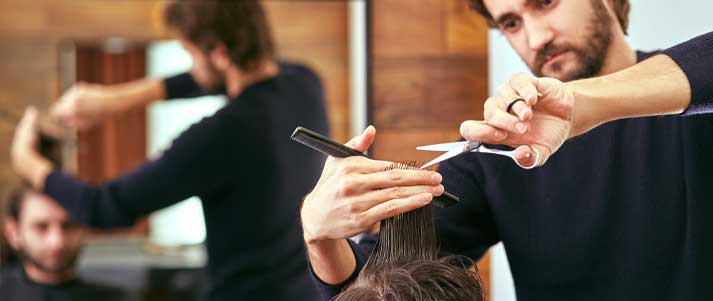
{"x":191,"y":166}
{"x":184,"y":86}
{"x":695,"y":58}
{"x":361,"y":252}
{"x":467,"y":228}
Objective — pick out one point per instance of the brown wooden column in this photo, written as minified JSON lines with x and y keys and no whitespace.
{"x":429,"y":72}
{"x":118,"y":145}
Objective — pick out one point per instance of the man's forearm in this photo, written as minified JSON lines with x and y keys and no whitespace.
{"x":332,"y":261}
{"x":654,"y":87}
{"x":136,"y":93}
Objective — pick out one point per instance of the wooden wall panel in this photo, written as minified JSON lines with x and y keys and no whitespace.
{"x":464,"y":31}
{"x":429,"y":73}
{"x":316,"y":33}
{"x":24,"y":76}
{"x":429,"y":92}
{"x":407,"y":28}
{"x":139,"y":20}
{"x":313,"y":32}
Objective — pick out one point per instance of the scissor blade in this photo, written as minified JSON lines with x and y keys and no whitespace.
{"x":450,"y":154}
{"x":442,"y":147}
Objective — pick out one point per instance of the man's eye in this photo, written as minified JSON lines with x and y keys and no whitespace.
{"x":510,"y":25}
{"x":544,"y":3}
{"x":41,"y":227}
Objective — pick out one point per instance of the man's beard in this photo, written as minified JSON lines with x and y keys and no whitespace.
{"x":591,"y":56}
{"x":66,"y":263}
{"x":216,"y":83}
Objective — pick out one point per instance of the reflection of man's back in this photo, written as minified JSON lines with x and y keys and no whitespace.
{"x":47,"y":241}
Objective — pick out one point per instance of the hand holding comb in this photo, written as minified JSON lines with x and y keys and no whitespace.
{"x":329,"y":147}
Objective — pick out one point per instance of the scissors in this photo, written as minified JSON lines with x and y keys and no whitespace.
{"x":454,"y":149}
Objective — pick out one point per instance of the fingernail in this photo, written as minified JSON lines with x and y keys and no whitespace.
{"x":522,"y":115}
{"x":436,"y":177}
{"x":521,"y":127}
{"x":531,"y":98}
{"x":427,"y":197}
{"x":438,"y":189}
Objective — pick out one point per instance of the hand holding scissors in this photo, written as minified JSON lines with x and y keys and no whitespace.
{"x":533,"y":115}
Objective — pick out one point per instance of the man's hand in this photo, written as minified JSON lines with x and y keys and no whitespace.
{"x":351,"y":195}
{"x":84,"y":105}
{"x":26,"y":160}
{"x":354,"y":193}
{"x":537,"y":126}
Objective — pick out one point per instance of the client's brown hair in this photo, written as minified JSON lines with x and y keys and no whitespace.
{"x":405,"y":264}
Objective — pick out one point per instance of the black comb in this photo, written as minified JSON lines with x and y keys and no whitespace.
{"x":329,"y":147}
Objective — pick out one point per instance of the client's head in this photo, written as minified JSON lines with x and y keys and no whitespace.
{"x":47,"y":239}
{"x":405,"y":265}
{"x":445,"y":279}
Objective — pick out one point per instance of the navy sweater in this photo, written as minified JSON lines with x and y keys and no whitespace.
{"x":15,"y":285}
{"x":624,"y":212}
{"x":249,"y":175}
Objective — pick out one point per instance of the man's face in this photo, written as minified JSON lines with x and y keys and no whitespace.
{"x":46,"y":236}
{"x":203,"y":70}
{"x":564,"y":39}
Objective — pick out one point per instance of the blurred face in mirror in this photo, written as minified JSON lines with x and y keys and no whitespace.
{"x":564,"y":39}
{"x":46,"y":237}
{"x":203,"y":71}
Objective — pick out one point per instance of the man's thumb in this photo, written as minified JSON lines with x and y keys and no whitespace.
{"x":363,"y":141}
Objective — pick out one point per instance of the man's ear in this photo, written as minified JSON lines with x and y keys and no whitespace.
{"x":219,"y":57}
{"x":10,"y":229}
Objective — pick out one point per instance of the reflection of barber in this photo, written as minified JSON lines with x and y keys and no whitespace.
{"x":614,"y":213}
{"x":249,"y":180}
{"x":49,"y":242}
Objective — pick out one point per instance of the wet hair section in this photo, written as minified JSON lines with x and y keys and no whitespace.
{"x":405,"y":265}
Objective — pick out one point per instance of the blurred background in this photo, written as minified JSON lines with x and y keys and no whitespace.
{"x":404,"y":68}
{"x":415,"y":70}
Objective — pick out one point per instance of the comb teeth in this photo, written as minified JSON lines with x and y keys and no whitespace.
{"x":402,"y":165}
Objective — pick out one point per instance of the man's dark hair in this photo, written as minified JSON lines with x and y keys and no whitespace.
{"x":240,"y":25}
{"x":405,"y":265}
{"x":15,"y":198}
{"x":12,"y":206}
{"x":51,"y":149}
{"x":621,"y":10}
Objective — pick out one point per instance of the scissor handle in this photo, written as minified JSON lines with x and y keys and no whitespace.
{"x":511,"y":154}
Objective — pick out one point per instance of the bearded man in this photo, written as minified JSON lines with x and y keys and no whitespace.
{"x":619,"y":213}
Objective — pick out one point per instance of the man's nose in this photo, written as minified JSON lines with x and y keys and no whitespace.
{"x":56,"y":237}
{"x":539,"y":33}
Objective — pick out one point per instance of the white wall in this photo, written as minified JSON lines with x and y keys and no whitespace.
{"x":183,"y":222}
{"x":654,"y":24}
